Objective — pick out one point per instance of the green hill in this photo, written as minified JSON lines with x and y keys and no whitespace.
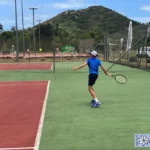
{"x":92,"y":18}
{"x":94,"y":22}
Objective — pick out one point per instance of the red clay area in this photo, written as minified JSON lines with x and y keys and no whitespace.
{"x":39,"y":55}
{"x":26,"y":66}
{"x":20,"y":111}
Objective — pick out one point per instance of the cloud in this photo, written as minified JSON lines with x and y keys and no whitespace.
{"x":5,"y":2}
{"x":76,"y":1}
{"x":63,"y":5}
{"x":145,"y":8}
{"x":142,"y":19}
{"x":7,"y":23}
{"x":28,"y":20}
{"x":69,"y":4}
{"x":43,"y":17}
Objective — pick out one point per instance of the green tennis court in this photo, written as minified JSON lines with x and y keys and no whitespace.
{"x":70,"y":123}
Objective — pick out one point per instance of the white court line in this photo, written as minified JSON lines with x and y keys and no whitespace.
{"x":17,"y":148}
{"x":20,"y":84}
{"x":51,"y":67}
{"x":39,"y":132}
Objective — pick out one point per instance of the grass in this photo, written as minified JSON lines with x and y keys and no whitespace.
{"x":71,"y":124}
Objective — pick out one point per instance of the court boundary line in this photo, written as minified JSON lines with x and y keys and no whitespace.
{"x":41,"y":122}
{"x":17,"y":148}
{"x":20,"y":85}
{"x":51,"y":67}
{"x":24,"y":63}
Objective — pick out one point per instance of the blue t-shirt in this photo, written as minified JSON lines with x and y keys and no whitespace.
{"x":93,"y":64}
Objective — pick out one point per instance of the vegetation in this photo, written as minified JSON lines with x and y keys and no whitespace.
{"x":71,"y":26}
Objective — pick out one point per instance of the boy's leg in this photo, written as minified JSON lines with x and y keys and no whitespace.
{"x":93,"y":94}
{"x":91,"y":82}
{"x":92,"y":79}
{"x":91,"y":90}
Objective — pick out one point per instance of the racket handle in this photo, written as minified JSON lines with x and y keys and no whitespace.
{"x":109,"y":74}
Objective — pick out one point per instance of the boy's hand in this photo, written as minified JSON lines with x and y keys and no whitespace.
{"x":74,"y":68}
{"x":108,"y":74}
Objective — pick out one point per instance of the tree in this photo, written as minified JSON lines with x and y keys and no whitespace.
{"x":8,"y":35}
{"x":13,"y":29}
{"x":1,"y":27}
{"x":46,"y":30}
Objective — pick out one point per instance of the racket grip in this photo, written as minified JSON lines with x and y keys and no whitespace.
{"x":109,"y":74}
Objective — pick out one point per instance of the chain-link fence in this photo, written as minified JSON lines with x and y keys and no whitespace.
{"x":86,"y":45}
{"x":9,"y":52}
{"x":138,"y":56}
{"x":46,"y":50}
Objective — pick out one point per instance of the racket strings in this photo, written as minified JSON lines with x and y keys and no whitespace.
{"x":121,"y":79}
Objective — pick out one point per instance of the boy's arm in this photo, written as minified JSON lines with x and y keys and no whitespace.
{"x":83,"y":65}
{"x":106,"y":73}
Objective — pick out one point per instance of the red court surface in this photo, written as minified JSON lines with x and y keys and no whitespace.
{"x":39,"y":55}
{"x":22,"y":109}
{"x":26,"y":66}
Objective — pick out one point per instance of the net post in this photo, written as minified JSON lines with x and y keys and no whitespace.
{"x":29,"y":56}
{"x":54,"y":53}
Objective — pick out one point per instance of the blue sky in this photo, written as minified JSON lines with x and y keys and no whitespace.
{"x":138,"y":10}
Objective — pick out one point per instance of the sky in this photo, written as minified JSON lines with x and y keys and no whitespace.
{"x":138,"y":10}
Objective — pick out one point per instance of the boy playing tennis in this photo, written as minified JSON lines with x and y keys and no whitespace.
{"x":93,"y":64}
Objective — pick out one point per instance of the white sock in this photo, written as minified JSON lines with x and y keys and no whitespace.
{"x":96,"y":100}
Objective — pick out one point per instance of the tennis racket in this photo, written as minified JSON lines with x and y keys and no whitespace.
{"x":120,"y":78}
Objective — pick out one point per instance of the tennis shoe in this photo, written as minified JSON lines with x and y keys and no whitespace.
{"x":92,"y":101}
{"x":99,"y":103}
{"x":95,"y":104}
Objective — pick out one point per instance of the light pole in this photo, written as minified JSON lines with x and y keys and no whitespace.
{"x":17,"y":47}
{"x":23,"y":28}
{"x":39,"y":34}
{"x":33,"y":9}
